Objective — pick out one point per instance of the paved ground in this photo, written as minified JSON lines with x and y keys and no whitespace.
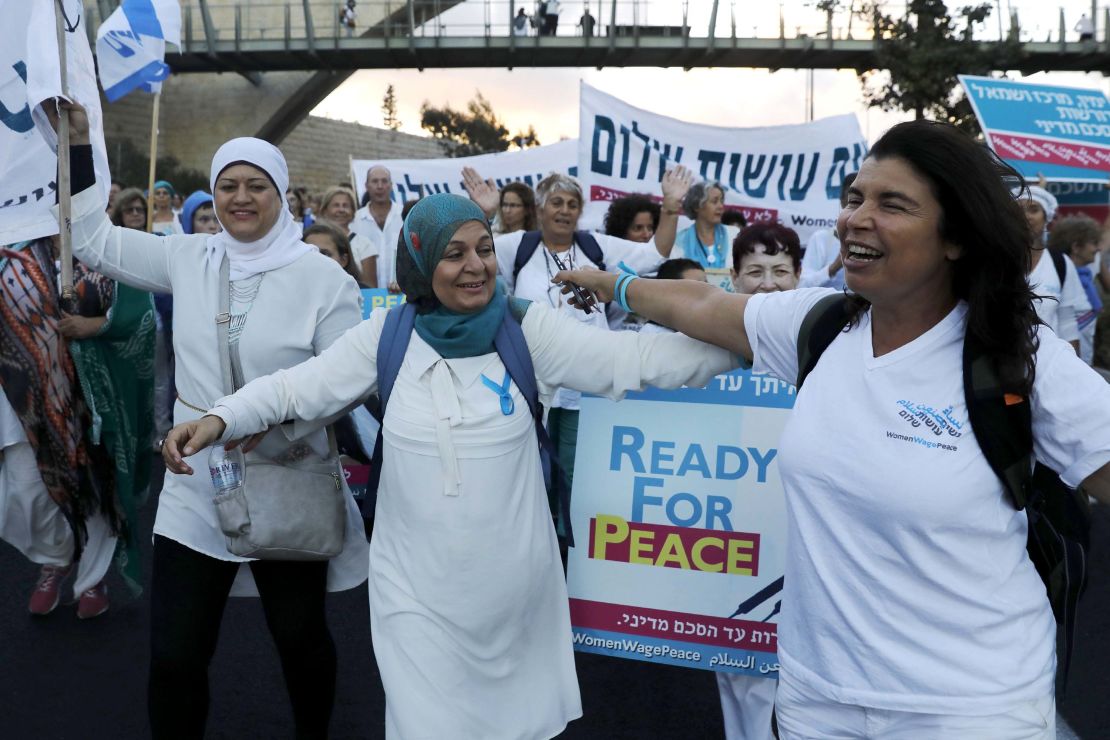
{"x":63,"y":678}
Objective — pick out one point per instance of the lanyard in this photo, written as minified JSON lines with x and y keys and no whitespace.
{"x":502,"y":392}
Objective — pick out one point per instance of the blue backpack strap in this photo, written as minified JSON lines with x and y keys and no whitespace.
{"x":512,"y":348}
{"x":525,"y":250}
{"x":392,"y":345}
{"x":589,"y":246}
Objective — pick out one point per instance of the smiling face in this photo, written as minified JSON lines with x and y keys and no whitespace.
{"x":247,"y":202}
{"x":327,"y":247}
{"x":466,"y":277}
{"x":559,"y":217}
{"x":765,"y":273}
{"x":711,"y":211}
{"x":133,"y":215}
{"x":641,"y":229}
{"x":340,"y":209}
{"x":512,"y":211}
{"x":891,"y":239}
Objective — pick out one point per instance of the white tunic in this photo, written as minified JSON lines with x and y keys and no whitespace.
{"x":300,"y":309}
{"x":468,"y":605}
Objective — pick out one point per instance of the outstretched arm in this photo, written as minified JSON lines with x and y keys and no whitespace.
{"x":696,"y":309}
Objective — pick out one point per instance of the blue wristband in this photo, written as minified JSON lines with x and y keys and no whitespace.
{"x":622,"y":299}
{"x":622,"y":278}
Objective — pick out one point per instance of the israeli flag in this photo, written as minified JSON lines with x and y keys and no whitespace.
{"x":131,"y":46}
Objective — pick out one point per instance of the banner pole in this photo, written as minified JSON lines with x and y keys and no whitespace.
{"x":153,"y":160}
{"x":65,"y":208}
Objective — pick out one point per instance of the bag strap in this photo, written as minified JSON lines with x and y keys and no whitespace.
{"x":589,"y":246}
{"x":820,"y":327}
{"x":230,"y":364}
{"x":1060,"y":265}
{"x":525,"y":250}
{"x":1001,"y":422}
{"x":512,"y":348}
{"x":392,"y":345}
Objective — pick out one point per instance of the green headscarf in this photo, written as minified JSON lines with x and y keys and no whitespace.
{"x":427,"y":231}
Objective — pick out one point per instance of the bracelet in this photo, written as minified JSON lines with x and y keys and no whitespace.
{"x":622,"y":294}
{"x":621,"y":278}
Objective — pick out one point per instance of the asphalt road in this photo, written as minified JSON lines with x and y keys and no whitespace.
{"x":64,"y":678}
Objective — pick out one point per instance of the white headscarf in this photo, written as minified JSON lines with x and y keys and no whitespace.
{"x":1043,"y":198}
{"x":282,"y":244}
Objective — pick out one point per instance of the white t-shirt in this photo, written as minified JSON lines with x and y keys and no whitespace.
{"x":821,"y":250}
{"x":908,"y":586}
{"x":1071,"y":301}
{"x":385,"y":237}
{"x":362,"y":248}
{"x":534,"y":281}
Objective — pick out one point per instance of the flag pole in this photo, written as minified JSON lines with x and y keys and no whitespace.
{"x":153,"y":160}
{"x":64,"y":205}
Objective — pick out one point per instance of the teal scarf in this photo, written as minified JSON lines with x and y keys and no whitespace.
{"x":693,"y":249}
{"x":427,"y":231}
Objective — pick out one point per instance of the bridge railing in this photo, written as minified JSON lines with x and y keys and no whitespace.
{"x":246,"y":20}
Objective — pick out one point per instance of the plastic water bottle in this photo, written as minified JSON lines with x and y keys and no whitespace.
{"x":226,"y":469}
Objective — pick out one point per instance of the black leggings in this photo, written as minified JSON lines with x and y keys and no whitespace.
{"x":187,"y":599}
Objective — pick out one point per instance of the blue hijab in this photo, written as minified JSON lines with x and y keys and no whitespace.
{"x":427,"y":232}
{"x":189,"y":209}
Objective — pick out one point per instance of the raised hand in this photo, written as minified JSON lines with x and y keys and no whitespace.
{"x":482,"y":192}
{"x":676,"y":183}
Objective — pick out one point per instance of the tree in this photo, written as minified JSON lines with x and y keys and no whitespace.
{"x":131,"y":166}
{"x":477,"y":130}
{"x":923,"y":52}
{"x":389,"y":110}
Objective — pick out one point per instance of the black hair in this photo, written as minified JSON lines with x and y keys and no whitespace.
{"x":623,"y":211}
{"x":674,"y":269}
{"x":733,"y":217}
{"x":978,"y":214}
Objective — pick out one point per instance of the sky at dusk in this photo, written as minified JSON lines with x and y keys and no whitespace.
{"x":548,"y":98}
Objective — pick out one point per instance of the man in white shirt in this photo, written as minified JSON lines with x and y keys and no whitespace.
{"x":380,"y":221}
{"x":1062,"y":298}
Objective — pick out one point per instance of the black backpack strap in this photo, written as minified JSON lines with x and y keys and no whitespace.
{"x":822,"y":323}
{"x":525,"y":250}
{"x":1059,"y":516}
{"x":1059,"y":264}
{"x":512,"y":348}
{"x":392,"y":345}
{"x":589,"y":246}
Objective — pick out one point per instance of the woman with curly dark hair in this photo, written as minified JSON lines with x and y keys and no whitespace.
{"x":911,"y":595}
{"x":634,"y":217}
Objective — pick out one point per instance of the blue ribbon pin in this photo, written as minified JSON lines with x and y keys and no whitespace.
{"x":502,"y":392}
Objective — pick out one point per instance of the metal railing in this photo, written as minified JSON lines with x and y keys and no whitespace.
{"x":245,"y":20}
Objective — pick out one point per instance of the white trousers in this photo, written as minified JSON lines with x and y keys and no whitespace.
{"x":804,"y":715}
{"x":32,"y":523}
{"x":746,"y":705}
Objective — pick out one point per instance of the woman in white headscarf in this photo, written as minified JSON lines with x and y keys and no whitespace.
{"x":288,"y":303}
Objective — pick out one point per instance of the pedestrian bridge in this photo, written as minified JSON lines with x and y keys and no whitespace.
{"x":307,"y":35}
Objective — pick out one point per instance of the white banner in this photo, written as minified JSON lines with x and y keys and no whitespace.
{"x":789,"y":173}
{"x":29,"y":74}
{"x":414,"y":178}
{"x":680,"y":525}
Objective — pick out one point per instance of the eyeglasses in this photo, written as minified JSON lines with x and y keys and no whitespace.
{"x":139,"y":210}
{"x":512,"y":205}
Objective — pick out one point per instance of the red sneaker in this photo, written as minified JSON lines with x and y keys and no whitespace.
{"x":47,"y":591}
{"x":93,"y":602}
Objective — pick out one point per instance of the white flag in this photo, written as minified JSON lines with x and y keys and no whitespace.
{"x":131,"y":45}
{"x":30,"y":74}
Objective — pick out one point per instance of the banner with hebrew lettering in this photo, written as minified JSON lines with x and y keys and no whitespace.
{"x":1060,"y":133}
{"x":786,"y":173}
{"x":415,"y":178}
{"x":680,"y":524}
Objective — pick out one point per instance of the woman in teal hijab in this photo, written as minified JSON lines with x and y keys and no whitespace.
{"x":468,"y":604}
{"x":165,"y":220}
